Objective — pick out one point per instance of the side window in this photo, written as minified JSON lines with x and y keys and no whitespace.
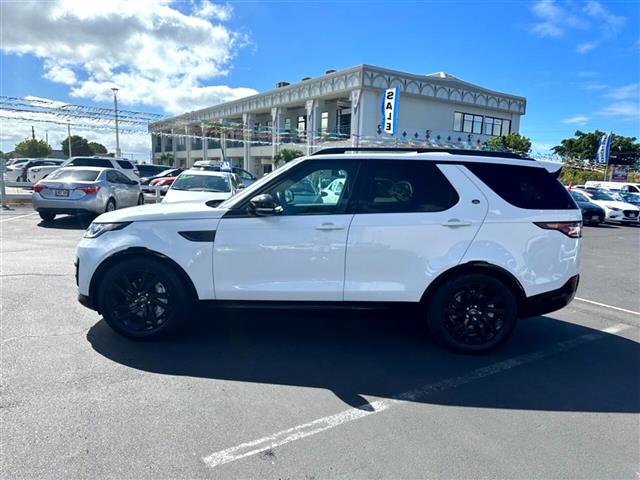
{"x":524,"y":187}
{"x":399,"y":186}
{"x":305,"y":190}
{"x":124,"y":164}
{"x":122,"y":178}
{"x":112,"y":177}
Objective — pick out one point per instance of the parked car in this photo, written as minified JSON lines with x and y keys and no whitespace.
{"x":164,"y":183}
{"x":627,"y":197}
{"x":592,"y":214}
{"x":622,"y":186}
{"x":84,"y":190}
{"x":473,"y":240}
{"x":203,"y":185}
{"x":615,"y":210}
{"x":37,"y":173}
{"x":18,"y":171}
{"x":145,"y":182}
{"x":146,"y":170}
{"x":125,"y":166}
{"x":247,"y":178}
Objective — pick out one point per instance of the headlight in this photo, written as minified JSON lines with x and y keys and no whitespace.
{"x":97,"y":229}
{"x":615,"y":209}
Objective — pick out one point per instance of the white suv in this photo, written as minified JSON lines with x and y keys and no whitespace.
{"x":475,"y":240}
{"x":122,"y":164}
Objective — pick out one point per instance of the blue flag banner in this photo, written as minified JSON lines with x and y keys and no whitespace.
{"x":390,"y":110}
{"x":604,"y":146}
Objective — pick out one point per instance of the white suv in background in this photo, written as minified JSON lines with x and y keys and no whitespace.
{"x":474,"y":240}
{"x":124,"y":165}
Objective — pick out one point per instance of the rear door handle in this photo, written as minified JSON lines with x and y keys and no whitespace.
{"x":327,"y":227}
{"x":454,"y":222}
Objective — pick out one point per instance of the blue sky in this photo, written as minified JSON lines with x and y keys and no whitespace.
{"x":577,"y":63}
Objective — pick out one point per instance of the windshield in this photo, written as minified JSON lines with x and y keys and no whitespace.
{"x":74,"y":175}
{"x":598,"y":195}
{"x":202,"y":183}
{"x":578,"y":196}
{"x":629,"y":197}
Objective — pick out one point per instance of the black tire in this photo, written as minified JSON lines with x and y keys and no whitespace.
{"x":111,"y":205}
{"x":472,"y":313}
{"x":47,"y":216}
{"x":141,"y":199}
{"x":143,"y":298}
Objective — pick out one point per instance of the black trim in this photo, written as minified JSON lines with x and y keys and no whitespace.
{"x":85,"y":301}
{"x":550,"y":301}
{"x":453,"y":151}
{"x":199,"y":235}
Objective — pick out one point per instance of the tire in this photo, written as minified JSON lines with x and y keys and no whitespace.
{"x":456,"y":318}
{"x":141,"y":199}
{"x":47,"y":216}
{"x":111,"y":205}
{"x":143,"y":298}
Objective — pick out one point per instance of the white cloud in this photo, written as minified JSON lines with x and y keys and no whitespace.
{"x":209,"y":9}
{"x":576,"y":120}
{"x":627,"y":110}
{"x":552,"y":19}
{"x":594,"y":86}
{"x":586,"y":47}
{"x":154,"y":53}
{"x":587,"y":74}
{"x":605,"y":22}
{"x":626,"y":92}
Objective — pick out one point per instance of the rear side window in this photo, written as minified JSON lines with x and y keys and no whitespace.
{"x":124,"y":164}
{"x":89,"y":162}
{"x":74,"y":175}
{"x":397,"y":186}
{"x":524,"y":187}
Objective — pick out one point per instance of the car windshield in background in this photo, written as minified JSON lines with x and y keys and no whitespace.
{"x":629,"y":197}
{"x":202,"y":183}
{"x":578,"y":196}
{"x":165,"y":172}
{"x":596,"y":195}
{"x":74,"y":175}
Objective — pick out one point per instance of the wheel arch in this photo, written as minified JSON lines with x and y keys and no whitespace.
{"x":138,"y":252}
{"x":506,"y":277}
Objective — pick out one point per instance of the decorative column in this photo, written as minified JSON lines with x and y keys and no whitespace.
{"x":173,"y":148}
{"x":276,"y":125}
{"x":314,"y":108}
{"x":204,"y":142}
{"x":247,"y":134}
{"x":188,"y":146}
{"x":355,"y":117}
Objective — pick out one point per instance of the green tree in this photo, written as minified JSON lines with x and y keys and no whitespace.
{"x":286,"y":155}
{"x":166,"y":159}
{"x":79,"y":146}
{"x":96,"y":148}
{"x":584,"y":145}
{"x":32,"y":148}
{"x":513,"y":141}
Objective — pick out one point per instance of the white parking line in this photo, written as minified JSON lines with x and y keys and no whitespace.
{"x":298,"y":432}
{"x":632,"y":312}
{"x":19,"y":216}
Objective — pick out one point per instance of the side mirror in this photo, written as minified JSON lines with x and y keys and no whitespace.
{"x":264,"y":205}
{"x":134,"y":182}
{"x":324,"y":194}
{"x":241,"y":186}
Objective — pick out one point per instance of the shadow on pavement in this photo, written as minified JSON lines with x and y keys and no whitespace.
{"x":380,"y":354}
{"x":68,"y":222}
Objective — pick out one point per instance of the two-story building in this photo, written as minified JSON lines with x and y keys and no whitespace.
{"x":338,"y":108}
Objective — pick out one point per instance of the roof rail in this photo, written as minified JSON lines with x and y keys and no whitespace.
{"x":453,"y":151}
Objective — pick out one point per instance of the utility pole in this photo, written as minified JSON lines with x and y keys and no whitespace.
{"x":33,"y":133}
{"x":115,"y":104}
{"x":69,"y":137}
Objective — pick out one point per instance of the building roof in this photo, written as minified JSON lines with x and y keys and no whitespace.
{"x":439,"y":86}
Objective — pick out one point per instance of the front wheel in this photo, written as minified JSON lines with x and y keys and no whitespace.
{"x":472,"y":313}
{"x":142,"y":298}
{"x":111,"y":205}
{"x":47,"y":216}
{"x":141,"y":199}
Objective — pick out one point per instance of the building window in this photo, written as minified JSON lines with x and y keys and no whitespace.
{"x":324,"y":122}
{"x":287,"y":125}
{"x":470,"y":123}
{"x":302,"y":123}
{"x":343,"y":122}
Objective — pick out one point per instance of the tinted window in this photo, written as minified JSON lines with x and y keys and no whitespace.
{"x":397,"y":186}
{"x":74,"y":175}
{"x":124,"y":164}
{"x":524,"y":187}
{"x":243,"y":173}
{"x":122,"y":178}
{"x":202,"y":183}
{"x":89,"y":162}
{"x":112,"y":177}
{"x":149,"y":170}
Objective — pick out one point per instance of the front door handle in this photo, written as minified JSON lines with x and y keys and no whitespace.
{"x":327,"y":227}
{"x":454,"y":222}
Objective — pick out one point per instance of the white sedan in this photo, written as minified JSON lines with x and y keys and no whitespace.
{"x":203,"y":185}
{"x":615,"y":210}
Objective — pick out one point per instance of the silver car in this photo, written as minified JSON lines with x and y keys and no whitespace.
{"x":84,"y":190}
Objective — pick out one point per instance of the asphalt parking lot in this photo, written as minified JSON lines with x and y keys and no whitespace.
{"x":299,"y":394}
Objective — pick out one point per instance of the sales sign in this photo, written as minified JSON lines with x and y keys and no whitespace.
{"x":390,"y":110}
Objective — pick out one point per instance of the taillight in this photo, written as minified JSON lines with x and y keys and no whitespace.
{"x":38,"y":187}
{"x":570,"y":229}
{"x":89,"y":190}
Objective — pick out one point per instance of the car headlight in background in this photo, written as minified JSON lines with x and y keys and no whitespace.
{"x":97,"y":229}
{"x":615,"y":209}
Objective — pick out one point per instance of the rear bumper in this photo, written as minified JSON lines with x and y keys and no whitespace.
{"x":550,"y":301}
{"x":90,"y":203}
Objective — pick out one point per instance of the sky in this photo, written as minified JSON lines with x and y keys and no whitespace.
{"x":576,"y":62}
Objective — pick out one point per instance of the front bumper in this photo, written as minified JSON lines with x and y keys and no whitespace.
{"x":550,"y":301}
{"x":86,"y":301}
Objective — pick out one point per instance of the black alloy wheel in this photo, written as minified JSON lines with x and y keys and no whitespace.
{"x":472,"y":313}
{"x":142,"y":298}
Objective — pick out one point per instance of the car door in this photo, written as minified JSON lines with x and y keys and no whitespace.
{"x":413,"y":220}
{"x":297,"y":254}
{"x":130,"y":190}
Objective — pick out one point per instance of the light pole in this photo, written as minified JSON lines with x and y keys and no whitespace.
{"x":115,"y":104}
{"x":69,"y":136}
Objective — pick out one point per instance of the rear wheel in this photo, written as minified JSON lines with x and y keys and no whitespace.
{"x":143,"y":298}
{"x":472,"y":313}
{"x":111,"y":205}
{"x":47,"y":216}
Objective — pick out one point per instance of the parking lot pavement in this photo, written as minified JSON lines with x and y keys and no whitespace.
{"x":308,"y":394}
